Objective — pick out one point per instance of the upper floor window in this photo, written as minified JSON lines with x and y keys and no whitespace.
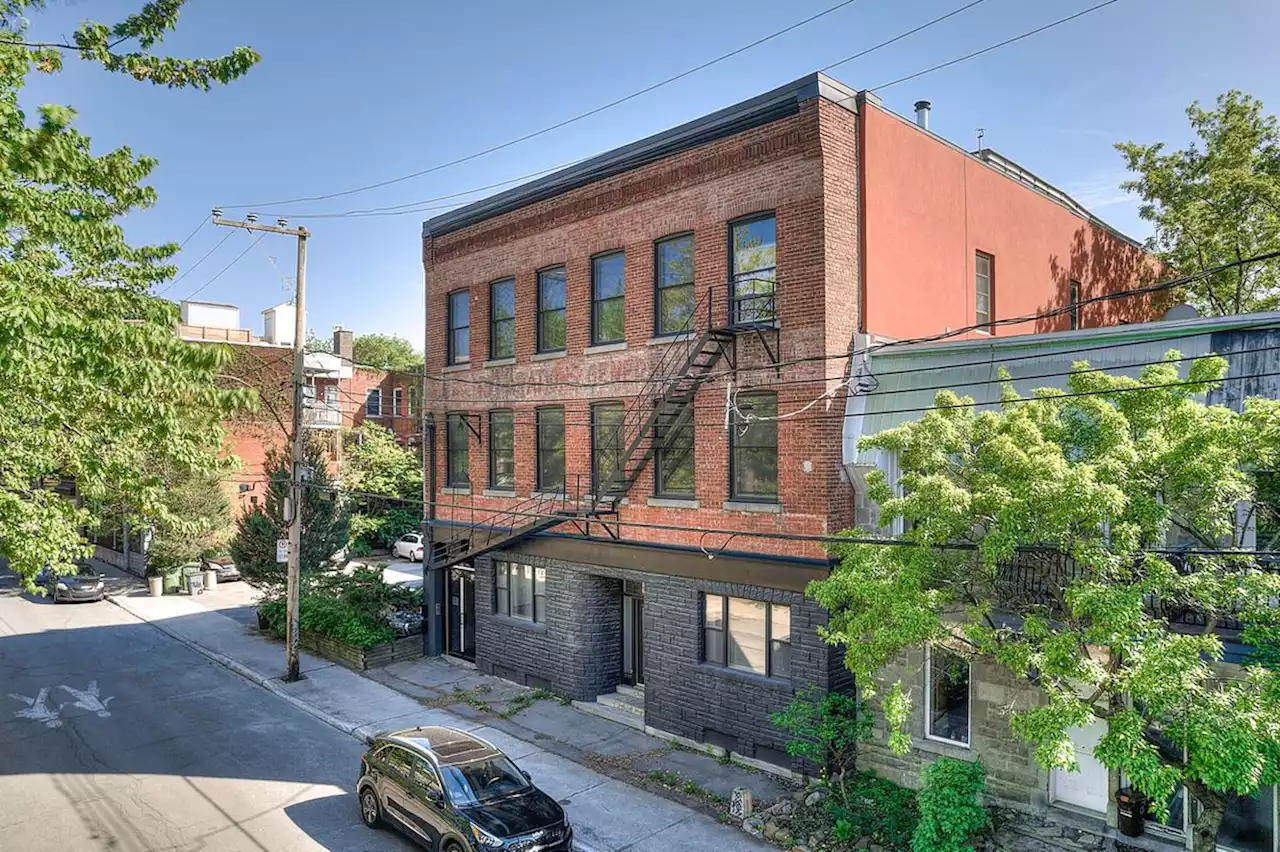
{"x":373,"y":403}
{"x":608,"y":298}
{"x":606,"y":445}
{"x":551,"y":331}
{"x":946,"y":695}
{"x":397,"y":402}
{"x":502,"y":319}
{"x":673,"y":456}
{"x":459,"y":327}
{"x":753,"y":249}
{"x":753,"y":449}
{"x":549,"y":449}
{"x":1074,"y":313}
{"x":753,"y":636}
{"x":502,"y":450}
{"x":983,"y":288}
{"x":673,"y":278}
{"x":331,"y":395}
{"x":457,"y":451}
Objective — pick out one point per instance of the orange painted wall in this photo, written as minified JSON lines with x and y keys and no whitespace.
{"x":930,"y":207}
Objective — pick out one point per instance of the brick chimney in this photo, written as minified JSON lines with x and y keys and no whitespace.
{"x":343,"y":343}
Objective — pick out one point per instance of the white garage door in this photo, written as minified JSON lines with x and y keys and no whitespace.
{"x":1088,"y":787}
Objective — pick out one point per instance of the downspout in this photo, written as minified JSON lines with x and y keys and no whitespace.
{"x":432,"y":577}
{"x":866,"y":98}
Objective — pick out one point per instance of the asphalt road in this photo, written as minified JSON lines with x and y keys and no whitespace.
{"x":113,"y":736}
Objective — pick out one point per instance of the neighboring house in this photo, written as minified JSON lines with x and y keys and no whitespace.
{"x":584,"y":333}
{"x":960,"y":710}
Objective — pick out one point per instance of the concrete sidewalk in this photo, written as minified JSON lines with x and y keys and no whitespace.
{"x":608,"y":814}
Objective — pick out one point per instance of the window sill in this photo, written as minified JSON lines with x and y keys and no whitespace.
{"x":664,"y":339}
{"x":775,"y":683}
{"x":462,"y":490}
{"x":947,"y":748}
{"x":550,"y":356}
{"x":457,"y":368}
{"x":598,"y":348}
{"x":674,"y":503}
{"x":522,"y":623}
{"x":761,"y":507}
{"x":500,"y":362}
{"x":498,"y":492}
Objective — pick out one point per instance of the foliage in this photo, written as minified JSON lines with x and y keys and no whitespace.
{"x":1099,"y":478}
{"x":197,"y":523}
{"x":878,"y":809}
{"x":1216,"y":201}
{"x":318,"y":344}
{"x":950,"y":802}
{"x":826,"y":729}
{"x":324,"y":520}
{"x":376,"y":465}
{"x":386,"y":352}
{"x":98,"y":388}
{"x":330,"y":617}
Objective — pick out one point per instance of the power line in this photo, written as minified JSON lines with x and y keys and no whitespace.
{"x":193,"y":266}
{"x":901,"y":36}
{"x":203,"y":222}
{"x":247,"y":249}
{"x":559,"y":124}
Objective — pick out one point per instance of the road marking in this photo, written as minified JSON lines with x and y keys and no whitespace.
{"x":89,"y":700}
{"x":38,"y":710}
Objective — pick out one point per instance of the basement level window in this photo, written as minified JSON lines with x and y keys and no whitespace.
{"x":751,"y":636}
{"x":947,"y":697}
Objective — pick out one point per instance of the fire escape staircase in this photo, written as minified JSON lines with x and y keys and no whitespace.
{"x":663,"y":405}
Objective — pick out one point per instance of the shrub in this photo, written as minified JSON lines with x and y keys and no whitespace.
{"x":826,"y":729}
{"x":330,"y":617}
{"x":950,"y":802}
{"x":878,"y":809}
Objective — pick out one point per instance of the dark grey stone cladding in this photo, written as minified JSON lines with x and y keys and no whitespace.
{"x":577,"y":651}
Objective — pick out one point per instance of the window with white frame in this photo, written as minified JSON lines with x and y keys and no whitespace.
{"x":397,"y":401}
{"x":373,"y":403}
{"x":331,"y":395}
{"x":520,"y":591}
{"x":947,"y":696}
{"x":752,"y":636}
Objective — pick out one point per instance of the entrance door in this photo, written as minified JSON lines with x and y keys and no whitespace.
{"x":633,"y":634}
{"x":1088,"y":787}
{"x":462,"y":608}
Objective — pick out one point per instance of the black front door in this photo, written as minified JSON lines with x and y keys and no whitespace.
{"x":632,"y":638}
{"x":462,"y":609}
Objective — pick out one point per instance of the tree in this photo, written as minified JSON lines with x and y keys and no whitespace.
{"x":377,"y":466}
{"x":1215,"y":202}
{"x":1099,"y":479}
{"x":98,"y":388}
{"x":386,"y":352}
{"x":197,"y":523}
{"x":318,"y":344}
{"x":324,"y":520}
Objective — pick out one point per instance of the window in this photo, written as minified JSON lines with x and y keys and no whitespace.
{"x":1075,"y":305}
{"x":415,"y":399}
{"x":502,"y":450}
{"x":397,"y":402}
{"x":331,"y":395}
{"x":457,"y":451}
{"x":373,"y":403}
{"x":459,"y":327}
{"x":753,"y":450}
{"x":673,"y":277}
{"x":946,"y":696}
{"x":520,"y":591}
{"x":606,"y":444}
{"x":551,"y":335}
{"x":502,"y":319}
{"x":983,"y":269}
{"x":752,"y":636}
{"x":753,"y":259}
{"x":608,"y":299}
{"x":423,"y":775}
{"x":673,"y":457}
{"x":549,"y":449}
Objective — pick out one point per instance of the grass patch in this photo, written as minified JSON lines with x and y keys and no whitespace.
{"x":471,"y":698}
{"x":526,"y":699}
{"x":675,"y":781}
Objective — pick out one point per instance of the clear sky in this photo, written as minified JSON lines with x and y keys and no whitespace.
{"x":355,"y":93}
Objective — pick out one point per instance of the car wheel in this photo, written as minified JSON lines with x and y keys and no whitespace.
{"x":453,"y":846}
{"x":370,"y":810}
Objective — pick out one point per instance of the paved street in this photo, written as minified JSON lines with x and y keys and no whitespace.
{"x":115,"y":736}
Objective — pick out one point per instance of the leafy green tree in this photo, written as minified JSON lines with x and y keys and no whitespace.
{"x":1102,"y":478}
{"x":325,"y":521}
{"x":97,"y":387}
{"x":377,"y":466}
{"x":386,"y":352}
{"x":1216,"y":201}
{"x":197,"y":522}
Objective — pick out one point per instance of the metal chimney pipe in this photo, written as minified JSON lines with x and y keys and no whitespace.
{"x":922,"y":114}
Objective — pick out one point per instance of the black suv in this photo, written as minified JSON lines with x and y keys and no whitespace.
{"x":454,"y":792}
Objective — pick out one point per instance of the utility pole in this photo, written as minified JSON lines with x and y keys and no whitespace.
{"x":292,"y":672}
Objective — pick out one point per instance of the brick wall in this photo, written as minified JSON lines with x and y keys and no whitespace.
{"x":403,"y":421}
{"x":777,"y":167}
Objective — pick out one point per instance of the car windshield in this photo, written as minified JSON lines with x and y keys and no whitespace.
{"x":482,"y":780}
{"x":86,"y":571}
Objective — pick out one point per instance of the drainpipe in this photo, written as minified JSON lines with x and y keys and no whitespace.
{"x":433,"y":590}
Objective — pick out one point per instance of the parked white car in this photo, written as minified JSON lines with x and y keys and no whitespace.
{"x":408,"y":547}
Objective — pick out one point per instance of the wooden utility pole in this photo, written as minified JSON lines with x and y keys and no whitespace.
{"x":292,"y":671}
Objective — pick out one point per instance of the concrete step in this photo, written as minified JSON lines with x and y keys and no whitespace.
{"x":636,"y":692}
{"x":622,"y":717}
{"x":621,"y":701}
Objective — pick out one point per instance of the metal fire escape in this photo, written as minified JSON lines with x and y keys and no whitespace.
{"x":663,"y":405}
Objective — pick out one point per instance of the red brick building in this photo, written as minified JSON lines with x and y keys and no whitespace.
{"x":667,"y":327}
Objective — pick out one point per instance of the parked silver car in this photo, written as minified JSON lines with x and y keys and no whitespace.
{"x":86,"y":584}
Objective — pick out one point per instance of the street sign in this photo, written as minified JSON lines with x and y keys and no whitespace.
{"x":282,"y":550}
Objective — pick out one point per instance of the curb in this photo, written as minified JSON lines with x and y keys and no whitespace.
{"x":363,"y":733}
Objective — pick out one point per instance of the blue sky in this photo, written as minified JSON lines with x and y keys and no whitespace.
{"x":350,"y":94}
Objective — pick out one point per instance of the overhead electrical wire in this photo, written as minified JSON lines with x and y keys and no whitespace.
{"x":201,"y":288}
{"x":194,"y":266}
